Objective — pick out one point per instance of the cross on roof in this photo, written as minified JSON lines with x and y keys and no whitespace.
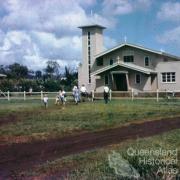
{"x":125,"y":39}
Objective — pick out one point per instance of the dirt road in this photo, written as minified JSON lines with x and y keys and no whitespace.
{"x":22,"y":156}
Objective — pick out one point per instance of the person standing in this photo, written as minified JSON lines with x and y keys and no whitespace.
{"x":76,"y":94}
{"x":45,"y":100}
{"x":62,"y":96}
{"x":83,"y":92}
{"x":106,"y":94}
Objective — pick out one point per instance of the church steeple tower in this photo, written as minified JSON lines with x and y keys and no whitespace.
{"x":92,"y":44}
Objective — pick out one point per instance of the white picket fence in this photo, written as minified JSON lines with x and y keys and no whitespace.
{"x":94,"y":95}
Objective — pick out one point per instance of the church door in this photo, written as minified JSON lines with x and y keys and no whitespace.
{"x":120,"y":82}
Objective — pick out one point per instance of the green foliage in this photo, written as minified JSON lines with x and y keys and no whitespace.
{"x":7,"y":84}
{"x":52,"y":85}
{"x":20,"y":78}
{"x":26,"y":84}
{"x":52,"y":68}
{"x":16,"y":71}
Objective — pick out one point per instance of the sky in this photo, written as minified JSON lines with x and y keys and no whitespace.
{"x":35,"y":31}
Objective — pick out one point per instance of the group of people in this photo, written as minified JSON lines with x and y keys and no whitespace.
{"x":61,"y":97}
{"x":78,"y":95}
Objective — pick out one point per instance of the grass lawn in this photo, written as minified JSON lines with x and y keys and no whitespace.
{"x":32,"y":120}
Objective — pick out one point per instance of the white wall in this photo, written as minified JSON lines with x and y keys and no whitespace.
{"x":168,"y":67}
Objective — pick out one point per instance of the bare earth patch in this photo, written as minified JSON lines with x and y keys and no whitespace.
{"x":16,"y":158}
{"x":8,"y":119}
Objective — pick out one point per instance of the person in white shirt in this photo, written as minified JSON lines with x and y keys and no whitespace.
{"x":45,"y":100}
{"x":76,"y":94}
{"x":83,"y":92}
{"x":106,"y":94}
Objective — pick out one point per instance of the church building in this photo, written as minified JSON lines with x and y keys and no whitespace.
{"x":126,"y":66}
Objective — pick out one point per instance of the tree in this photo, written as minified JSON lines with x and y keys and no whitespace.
{"x":70,"y":78}
{"x":52,"y":68}
{"x":38,"y":74}
{"x":17,"y":71}
{"x":2,"y":69}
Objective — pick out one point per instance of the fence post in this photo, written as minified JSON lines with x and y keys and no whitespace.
{"x":41,"y":95}
{"x":8,"y":96}
{"x":157,"y":95}
{"x":92,"y":95}
{"x":24,"y":95}
{"x":110,"y":94}
{"x":132,"y":94}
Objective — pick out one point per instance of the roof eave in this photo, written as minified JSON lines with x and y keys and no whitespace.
{"x":112,"y":66}
{"x":93,"y":25}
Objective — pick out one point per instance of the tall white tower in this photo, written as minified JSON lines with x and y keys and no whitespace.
{"x":92,"y":44}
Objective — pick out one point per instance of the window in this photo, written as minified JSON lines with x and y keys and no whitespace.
{"x":111,"y":62}
{"x":106,"y":79}
{"x":146,"y":61}
{"x":89,"y":55}
{"x":99,"y":62}
{"x":89,"y":74}
{"x":89,"y":35}
{"x":168,"y":77}
{"x":128,"y":58}
{"x":138,"y":79}
{"x":89,"y":79}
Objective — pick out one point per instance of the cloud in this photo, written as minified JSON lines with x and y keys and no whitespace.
{"x":57,"y":16}
{"x":117,"y":7}
{"x":32,"y":32}
{"x":122,"y":7}
{"x":39,"y":63}
{"x":35,"y":48}
{"x":169,"y":11}
{"x":170,"y":37}
{"x":54,"y":47}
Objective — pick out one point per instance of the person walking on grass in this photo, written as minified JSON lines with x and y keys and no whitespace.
{"x":45,"y":101}
{"x":106,"y":94}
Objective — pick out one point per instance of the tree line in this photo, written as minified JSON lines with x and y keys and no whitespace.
{"x":20,"y":78}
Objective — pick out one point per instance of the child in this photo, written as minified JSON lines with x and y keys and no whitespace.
{"x":45,"y":100}
{"x":62,"y":95}
{"x":57,"y":100}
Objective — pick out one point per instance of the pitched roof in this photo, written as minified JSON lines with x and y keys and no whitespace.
{"x":138,"y":47}
{"x":126,"y":65}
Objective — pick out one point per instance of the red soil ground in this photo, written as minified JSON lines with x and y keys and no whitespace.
{"x":8,"y":119}
{"x":16,"y":158}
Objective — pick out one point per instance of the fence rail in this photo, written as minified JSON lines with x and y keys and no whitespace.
{"x":94,"y":95}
